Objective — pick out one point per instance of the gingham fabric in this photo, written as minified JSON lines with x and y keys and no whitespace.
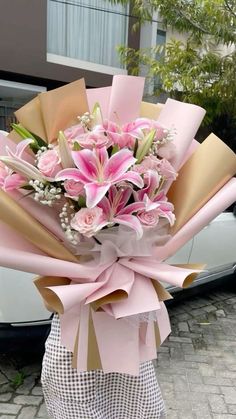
{"x":95,"y":395}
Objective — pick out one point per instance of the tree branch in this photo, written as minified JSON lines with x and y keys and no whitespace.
{"x":194,"y":24}
{"x":227,"y":5}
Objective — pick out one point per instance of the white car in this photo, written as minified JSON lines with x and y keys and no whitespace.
{"x":23,"y":316}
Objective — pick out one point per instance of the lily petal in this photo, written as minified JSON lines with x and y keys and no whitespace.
{"x":95,"y":192}
{"x":118,"y":164}
{"x":134,"y":207}
{"x":65,"y":152}
{"x":102,"y":155}
{"x":130,"y":221}
{"x":152,"y":179}
{"x":104,"y":204}
{"x":167,"y":214}
{"x":23,"y":167}
{"x":86,"y":162}
{"x":20,"y":148}
{"x":13,"y":181}
{"x":124,"y":198}
{"x":132,"y":177}
{"x":73,"y":174}
{"x":149,"y":204}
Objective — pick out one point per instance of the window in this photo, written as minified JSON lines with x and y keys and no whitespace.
{"x":85,"y":34}
{"x":13,"y":95}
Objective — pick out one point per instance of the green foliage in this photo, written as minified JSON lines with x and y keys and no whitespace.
{"x":196,"y":70}
{"x":25,"y":134}
{"x":18,"y":380}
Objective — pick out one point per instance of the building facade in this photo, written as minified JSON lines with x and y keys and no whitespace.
{"x":47,"y":43}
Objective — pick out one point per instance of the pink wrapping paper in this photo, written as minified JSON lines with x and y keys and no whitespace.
{"x":124,"y":340}
{"x":185,"y":119}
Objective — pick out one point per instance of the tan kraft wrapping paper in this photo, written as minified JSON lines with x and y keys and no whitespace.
{"x":150,"y":110}
{"x":208,"y":169}
{"x":12,"y":214}
{"x":30,"y":116}
{"x":55,"y":110}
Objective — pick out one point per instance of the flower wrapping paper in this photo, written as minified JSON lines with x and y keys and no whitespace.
{"x":110,"y":298}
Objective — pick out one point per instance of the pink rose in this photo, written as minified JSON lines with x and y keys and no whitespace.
{"x":94,"y":139}
{"x":49,"y":163}
{"x":167,"y":170}
{"x":161,"y":132}
{"x":73,"y":188}
{"x":73,"y":132}
{"x":149,"y":218}
{"x":148,"y":163}
{"x":167,"y":151}
{"x":88,"y":221}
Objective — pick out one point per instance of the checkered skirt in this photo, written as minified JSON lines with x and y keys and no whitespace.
{"x":93,"y":394}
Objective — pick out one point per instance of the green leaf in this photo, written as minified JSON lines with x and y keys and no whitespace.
{"x":27,"y":188}
{"x":24,"y":133}
{"x":18,"y":380}
{"x":82,"y":202}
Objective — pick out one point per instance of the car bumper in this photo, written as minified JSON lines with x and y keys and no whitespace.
{"x":27,"y":338}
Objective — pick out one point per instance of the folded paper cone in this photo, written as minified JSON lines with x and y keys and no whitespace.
{"x":30,"y":116}
{"x":208,"y":169}
{"x":49,"y":297}
{"x":12,"y":214}
{"x":61,"y":107}
{"x":55,"y":110}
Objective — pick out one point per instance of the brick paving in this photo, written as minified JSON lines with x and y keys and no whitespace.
{"x":196,"y":366}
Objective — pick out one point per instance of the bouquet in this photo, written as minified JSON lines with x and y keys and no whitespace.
{"x":98,"y":189}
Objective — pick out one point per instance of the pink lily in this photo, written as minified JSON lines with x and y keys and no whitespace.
{"x":116,"y":210}
{"x":98,"y":172}
{"x":122,"y":136}
{"x":135,"y":128}
{"x":162,"y":207}
{"x":18,"y":164}
{"x":9,"y":180}
{"x":152,"y":182}
{"x":139,"y":127}
{"x":113,"y":133}
{"x":155,"y":199}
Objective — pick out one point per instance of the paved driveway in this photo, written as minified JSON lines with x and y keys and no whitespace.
{"x":196,"y":367}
